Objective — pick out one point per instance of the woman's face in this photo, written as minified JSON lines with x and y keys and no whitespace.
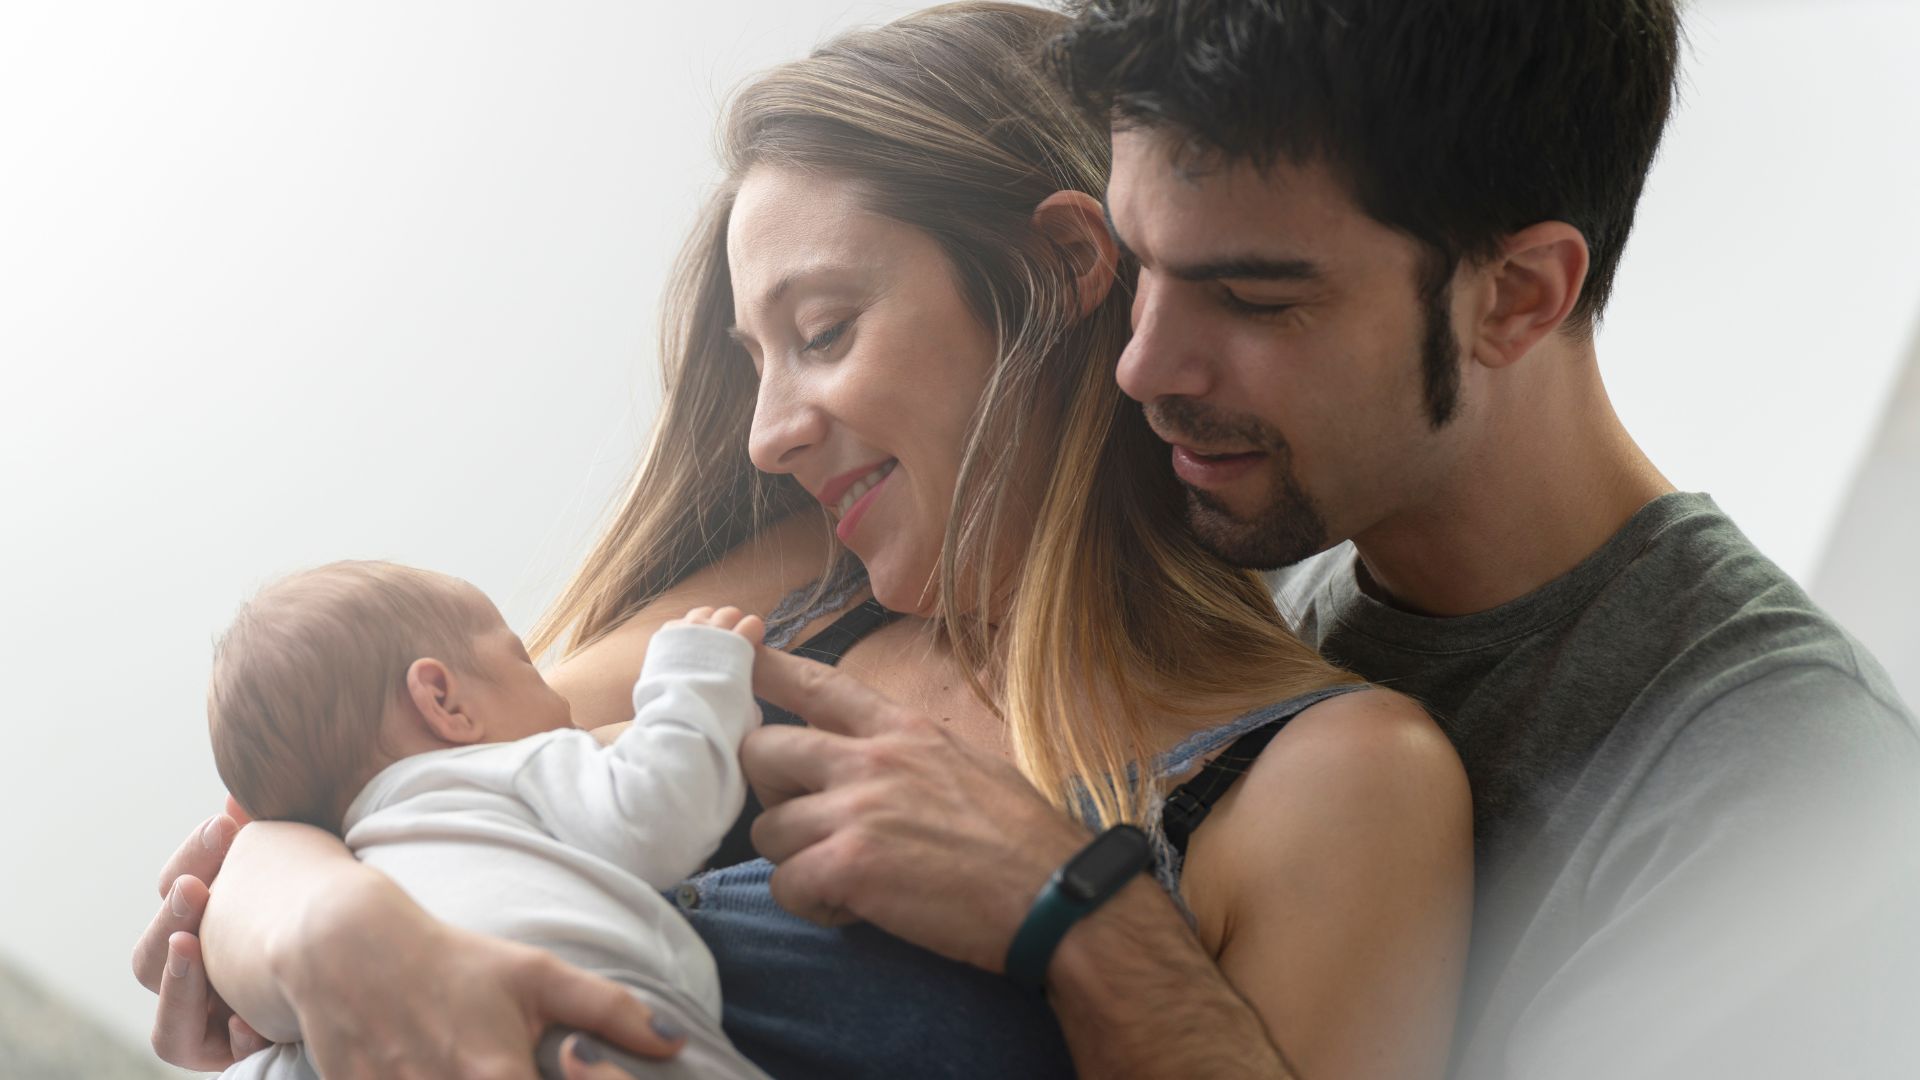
{"x":870,"y":366}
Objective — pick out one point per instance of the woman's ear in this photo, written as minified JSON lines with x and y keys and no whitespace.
{"x":1534,"y":283}
{"x":434,"y":691}
{"x":1074,"y":221}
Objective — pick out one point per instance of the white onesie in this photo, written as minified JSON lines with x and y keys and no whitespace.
{"x":558,"y":842}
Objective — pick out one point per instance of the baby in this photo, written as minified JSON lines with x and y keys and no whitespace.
{"x":394,"y":707}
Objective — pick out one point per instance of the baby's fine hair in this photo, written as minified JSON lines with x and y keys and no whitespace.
{"x":302,"y":680}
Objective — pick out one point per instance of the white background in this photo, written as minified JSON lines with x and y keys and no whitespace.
{"x":287,"y":283}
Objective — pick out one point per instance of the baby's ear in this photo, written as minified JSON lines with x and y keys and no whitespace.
{"x":434,"y":691}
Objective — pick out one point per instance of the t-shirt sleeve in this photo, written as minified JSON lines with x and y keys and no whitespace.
{"x":660,"y":799}
{"x":1753,"y":912}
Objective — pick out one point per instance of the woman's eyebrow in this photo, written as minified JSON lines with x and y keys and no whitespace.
{"x":820,"y":270}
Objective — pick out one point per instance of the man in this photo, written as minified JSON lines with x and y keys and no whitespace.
{"x":1374,"y":240}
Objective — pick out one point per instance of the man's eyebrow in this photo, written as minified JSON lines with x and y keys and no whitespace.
{"x":1247,"y":268}
{"x":1231,"y":268}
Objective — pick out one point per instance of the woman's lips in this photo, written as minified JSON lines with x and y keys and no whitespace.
{"x":1213,"y":470}
{"x":851,"y":518}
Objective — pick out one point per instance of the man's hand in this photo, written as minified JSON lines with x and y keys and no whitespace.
{"x":877,"y":813}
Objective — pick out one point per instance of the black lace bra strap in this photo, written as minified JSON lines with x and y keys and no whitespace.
{"x":829,"y":645}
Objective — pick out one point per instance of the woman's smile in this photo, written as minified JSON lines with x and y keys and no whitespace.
{"x":853,"y":505}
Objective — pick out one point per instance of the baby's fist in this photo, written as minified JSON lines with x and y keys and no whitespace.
{"x":751,"y":627}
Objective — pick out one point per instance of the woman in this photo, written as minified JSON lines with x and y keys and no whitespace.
{"x":893,"y":335}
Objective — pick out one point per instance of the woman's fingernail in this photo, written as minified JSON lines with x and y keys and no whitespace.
{"x":667,"y":1028}
{"x":177,"y":901}
{"x":210,"y":834}
{"x":176,"y":964}
{"x":586,"y":1051}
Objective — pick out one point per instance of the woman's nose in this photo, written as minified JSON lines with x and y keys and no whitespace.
{"x":785,"y":423}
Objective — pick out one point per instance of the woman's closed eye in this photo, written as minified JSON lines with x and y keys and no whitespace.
{"x":825,"y":338}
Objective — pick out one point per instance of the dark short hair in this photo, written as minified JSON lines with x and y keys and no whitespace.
{"x":1457,"y":122}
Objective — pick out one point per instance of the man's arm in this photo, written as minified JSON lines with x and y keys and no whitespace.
{"x":1753,"y":913}
{"x":1139,"y":999}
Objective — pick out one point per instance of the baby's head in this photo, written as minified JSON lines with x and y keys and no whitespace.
{"x":332,"y":674}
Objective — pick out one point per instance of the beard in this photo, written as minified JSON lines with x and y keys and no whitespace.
{"x":1286,"y":528}
{"x":1289,"y":526}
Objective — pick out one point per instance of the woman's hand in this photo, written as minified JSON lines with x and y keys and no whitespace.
{"x":384,"y":990}
{"x":192,"y":1028}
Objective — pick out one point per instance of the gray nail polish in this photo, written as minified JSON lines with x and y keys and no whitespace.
{"x":587,"y":1051}
{"x":667,"y":1028}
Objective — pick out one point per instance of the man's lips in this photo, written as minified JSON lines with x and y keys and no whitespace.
{"x":1206,"y":469}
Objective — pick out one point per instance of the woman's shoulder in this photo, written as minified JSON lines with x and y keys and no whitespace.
{"x":1370,"y":735}
{"x":1365,"y":771}
{"x":755,"y":576}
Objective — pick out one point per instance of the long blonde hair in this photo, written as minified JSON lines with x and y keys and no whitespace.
{"x":946,"y":120}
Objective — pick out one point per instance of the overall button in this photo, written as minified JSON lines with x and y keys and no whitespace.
{"x":688,"y":895}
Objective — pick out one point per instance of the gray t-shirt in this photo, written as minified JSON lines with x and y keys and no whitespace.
{"x":1694,"y":810}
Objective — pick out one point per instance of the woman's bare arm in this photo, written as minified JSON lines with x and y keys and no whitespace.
{"x":1342,"y":867}
{"x":277,"y":885}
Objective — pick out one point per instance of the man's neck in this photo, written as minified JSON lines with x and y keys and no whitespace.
{"x":1545,"y":484}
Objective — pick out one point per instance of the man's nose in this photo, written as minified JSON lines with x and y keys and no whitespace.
{"x":1166,"y":357}
{"x":785,"y":423}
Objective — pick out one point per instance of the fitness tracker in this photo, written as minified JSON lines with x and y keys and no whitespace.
{"x":1075,"y":890}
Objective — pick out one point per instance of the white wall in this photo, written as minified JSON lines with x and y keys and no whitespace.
{"x":283,"y":284}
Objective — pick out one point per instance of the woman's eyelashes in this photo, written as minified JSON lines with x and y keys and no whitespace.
{"x":825,"y":338}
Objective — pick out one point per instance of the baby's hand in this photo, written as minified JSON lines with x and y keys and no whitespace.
{"x":751,"y":627}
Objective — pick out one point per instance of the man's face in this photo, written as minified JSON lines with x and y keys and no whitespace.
{"x":1279,"y":337}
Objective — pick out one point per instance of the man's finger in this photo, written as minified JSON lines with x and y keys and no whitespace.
{"x":180,"y":911}
{"x":183,"y":1031}
{"x":784,"y":831}
{"x":812,"y":885}
{"x":828,"y":699}
{"x":784,"y":762}
{"x":201,"y":854}
{"x":566,"y":995}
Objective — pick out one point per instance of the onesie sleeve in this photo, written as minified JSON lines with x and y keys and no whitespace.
{"x":662,"y":797}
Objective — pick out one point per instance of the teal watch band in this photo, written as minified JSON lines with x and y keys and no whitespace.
{"x":1101,"y":869}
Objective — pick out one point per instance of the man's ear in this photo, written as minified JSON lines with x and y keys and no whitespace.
{"x":434,"y":691}
{"x":1074,"y":221}
{"x":1535,"y":282}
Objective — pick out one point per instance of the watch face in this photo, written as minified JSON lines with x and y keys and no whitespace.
{"x":1106,"y":864}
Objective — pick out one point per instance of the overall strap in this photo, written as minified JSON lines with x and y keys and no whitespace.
{"x":1189,"y":804}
